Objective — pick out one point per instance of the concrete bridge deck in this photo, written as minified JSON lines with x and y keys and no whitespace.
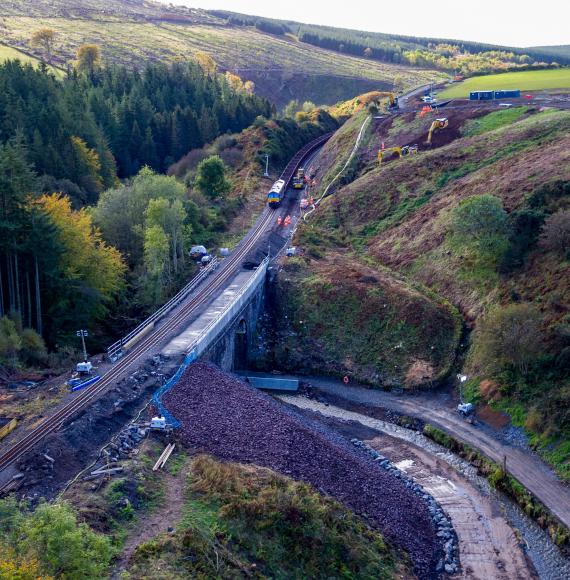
{"x":184,"y":342}
{"x":215,"y":332}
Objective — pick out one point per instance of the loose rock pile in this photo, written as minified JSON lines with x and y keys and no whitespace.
{"x":449,"y":561}
{"x":125,"y":443}
{"x":224,"y":416}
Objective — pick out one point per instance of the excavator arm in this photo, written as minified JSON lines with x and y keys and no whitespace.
{"x":436,"y":126}
{"x":382,"y":152}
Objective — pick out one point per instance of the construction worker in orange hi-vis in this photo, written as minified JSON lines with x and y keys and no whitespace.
{"x":287,"y":220}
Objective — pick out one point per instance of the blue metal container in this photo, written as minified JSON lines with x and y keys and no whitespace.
{"x":474,"y":96}
{"x":486,"y":95}
{"x":85,"y":383}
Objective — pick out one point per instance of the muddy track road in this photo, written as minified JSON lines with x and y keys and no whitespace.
{"x":529,"y":469}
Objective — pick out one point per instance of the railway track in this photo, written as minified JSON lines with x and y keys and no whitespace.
{"x":221,"y":277}
{"x":217,"y":281}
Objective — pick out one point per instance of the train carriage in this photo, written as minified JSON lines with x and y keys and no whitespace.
{"x":279,"y":189}
{"x":276,"y":193}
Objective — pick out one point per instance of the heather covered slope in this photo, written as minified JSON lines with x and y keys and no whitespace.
{"x":404,"y":220}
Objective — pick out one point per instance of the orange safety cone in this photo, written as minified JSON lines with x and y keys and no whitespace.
{"x":279,"y":220}
{"x":287,"y":220}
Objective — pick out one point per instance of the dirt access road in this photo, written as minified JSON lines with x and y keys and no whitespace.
{"x":530,"y":470}
{"x":487,"y":544}
{"x":159,"y":521}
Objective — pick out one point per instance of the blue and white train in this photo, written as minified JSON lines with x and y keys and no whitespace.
{"x":276,"y":193}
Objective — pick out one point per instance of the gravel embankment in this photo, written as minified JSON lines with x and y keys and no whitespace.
{"x":222,"y":415}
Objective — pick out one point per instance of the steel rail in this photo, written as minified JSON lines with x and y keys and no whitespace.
{"x":220,"y":277}
{"x":52,"y":423}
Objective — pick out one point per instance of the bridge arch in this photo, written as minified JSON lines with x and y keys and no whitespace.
{"x":240,"y":344}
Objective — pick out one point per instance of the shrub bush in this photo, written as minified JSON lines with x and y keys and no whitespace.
{"x":524,"y":227}
{"x":52,"y":536}
{"x":555,"y":235}
{"x":509,"y":336}
{"x":480,"y":223}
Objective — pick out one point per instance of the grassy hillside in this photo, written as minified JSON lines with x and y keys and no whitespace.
{"x":133,"y":33}
{"x":532,"y":80}
{"x":247,"y":521}
{"x":453,"y":55}
{"x":229,"y":521}
{"x":226,"y":520}
{"x":9,"y":53}
{"x":344,"y":317}
{"x":406,"y":221}
{"x":562,"y":50}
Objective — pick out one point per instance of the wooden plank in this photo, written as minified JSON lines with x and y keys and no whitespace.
{"x":163,"y":457}
{"x":168,"y":454}
{"x":107,"y":470}
{"x":159,"y":460}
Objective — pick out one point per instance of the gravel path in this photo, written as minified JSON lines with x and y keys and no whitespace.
{"x":529,"y":469}
{"x":226,"y":417}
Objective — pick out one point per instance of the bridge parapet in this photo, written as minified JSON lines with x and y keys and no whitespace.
{"x":218,"y":316}
{"x":116,"y":350}
{"x":213,"y":331}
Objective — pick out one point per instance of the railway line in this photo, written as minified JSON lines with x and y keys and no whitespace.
{"x":217,"y":281}
{"x":86,"y":396}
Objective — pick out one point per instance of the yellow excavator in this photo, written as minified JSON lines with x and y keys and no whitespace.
{"x":399,"y":151}
{"x":393,"y":101}
{"x":436,"y":126}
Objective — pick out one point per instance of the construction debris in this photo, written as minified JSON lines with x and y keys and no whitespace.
{"x":164,"y":457}
{"x":111,"y":470}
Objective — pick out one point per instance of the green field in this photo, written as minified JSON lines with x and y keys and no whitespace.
{"x":531,"y":80}
{"x":9,"y":53}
